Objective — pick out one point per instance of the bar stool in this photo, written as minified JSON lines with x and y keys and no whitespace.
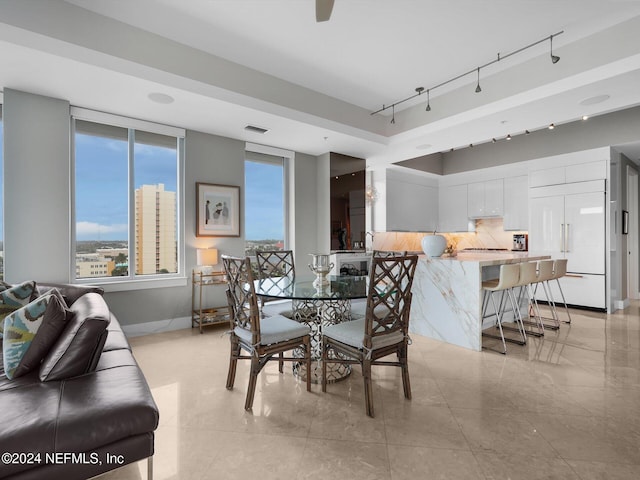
{"x":545,"y":274}
{"x":508,"y":279}
{"x":529,"y":276}
{"x":559,"y":271}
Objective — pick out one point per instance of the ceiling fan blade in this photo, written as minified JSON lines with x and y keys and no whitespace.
{"x":323,"y":10}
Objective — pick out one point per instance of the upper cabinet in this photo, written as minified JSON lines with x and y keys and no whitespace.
{"x":412,"y":203}
{"x":485,"y":199}
{"x":516,"y":203}
{"x":453,"y":215}
{"x":580,"y":172}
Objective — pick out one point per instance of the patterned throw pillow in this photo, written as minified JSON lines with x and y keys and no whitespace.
{"x":30,"y":332}
{"x":14,"y":297}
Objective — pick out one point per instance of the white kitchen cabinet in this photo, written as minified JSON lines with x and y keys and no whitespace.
{"x":516,"y":203}
{"x":485,"y":199}
{"x":453,"y":216}
{"x":411,"y":206}
{"x":580,"y":172}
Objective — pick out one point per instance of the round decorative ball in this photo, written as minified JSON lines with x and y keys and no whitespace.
{"x":434,"y":245}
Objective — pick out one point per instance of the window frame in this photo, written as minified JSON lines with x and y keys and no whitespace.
{"x":287,"y":157}
{"x":132,"y":281}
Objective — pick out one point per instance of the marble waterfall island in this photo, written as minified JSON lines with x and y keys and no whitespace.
{"x":447,"y":295}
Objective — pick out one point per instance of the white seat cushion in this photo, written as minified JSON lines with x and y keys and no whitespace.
{"x":278,"y":307}
{"x":359,"y":309}
{"x":352,"y":333}
{"x":275,"y":329}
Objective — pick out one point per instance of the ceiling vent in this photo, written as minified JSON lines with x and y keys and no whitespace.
{"x":254,"y":129}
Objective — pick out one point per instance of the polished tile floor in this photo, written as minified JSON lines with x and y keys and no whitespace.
{"x":566,"y":406}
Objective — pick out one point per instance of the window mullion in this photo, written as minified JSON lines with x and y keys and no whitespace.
{"x":132,"y":206}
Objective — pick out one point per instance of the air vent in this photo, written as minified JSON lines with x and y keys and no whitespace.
{"x":254,"y":129}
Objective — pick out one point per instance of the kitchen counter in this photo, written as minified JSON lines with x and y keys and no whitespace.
{"x":447,"y":295}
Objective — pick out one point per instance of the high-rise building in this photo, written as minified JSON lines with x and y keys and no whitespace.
{"x":156,"y":249}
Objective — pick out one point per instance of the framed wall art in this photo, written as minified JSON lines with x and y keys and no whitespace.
{"x":217,"y":210}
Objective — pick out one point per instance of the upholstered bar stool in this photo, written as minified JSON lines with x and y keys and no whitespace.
{"x":545,"y":274}
{"x":529,"y":276}
{"x":508,"y":279}
{"x":559,"y":271}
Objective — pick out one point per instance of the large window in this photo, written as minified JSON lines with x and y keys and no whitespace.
{"x":264,"y":196}
{"x":127,"y":199}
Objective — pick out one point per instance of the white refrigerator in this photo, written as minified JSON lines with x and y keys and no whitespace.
{"x":568,"y":221}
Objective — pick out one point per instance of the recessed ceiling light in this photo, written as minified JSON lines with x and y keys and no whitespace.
{"x":255,"y":129}
{"x":551,"y":126}
{"x":424,"y":146}
{"x":162,"y":98}
{"x":509,"y":137}
{"x":585,"y":117}
{"x":594,"y":100}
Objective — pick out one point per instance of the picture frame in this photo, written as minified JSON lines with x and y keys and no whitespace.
{"x":625,"y":222}
{"x":217,"y":210}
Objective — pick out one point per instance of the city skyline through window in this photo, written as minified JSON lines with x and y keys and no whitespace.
{"x":102,"y":202}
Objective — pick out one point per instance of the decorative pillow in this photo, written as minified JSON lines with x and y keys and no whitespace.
{"x":14,"y":297}
{"x":79,"y":347}
{"x":29,"y":333}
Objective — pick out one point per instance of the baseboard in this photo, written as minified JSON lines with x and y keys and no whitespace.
{"x":158,"y":326}
{"x":622,"y":304}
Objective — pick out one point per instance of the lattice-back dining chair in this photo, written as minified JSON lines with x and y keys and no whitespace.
{"x":383,"y":331}
{"x":260,"y":339}
{"x":271,"y":264}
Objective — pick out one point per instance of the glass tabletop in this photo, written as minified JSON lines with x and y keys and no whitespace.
{"x":339,"y":287}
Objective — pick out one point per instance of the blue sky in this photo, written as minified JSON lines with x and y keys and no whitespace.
{"x":101,"y":188}
{"x":101,"y":183}
{"x":264,"y":201}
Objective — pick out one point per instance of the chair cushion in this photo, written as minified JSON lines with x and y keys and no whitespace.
{"x":275,"y":329}
{"x":359,"y":309}
{"x":278,"y":307}
{"x":352,"y":333}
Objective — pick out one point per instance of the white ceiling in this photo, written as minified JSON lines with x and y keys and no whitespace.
{"x":323,"y":79}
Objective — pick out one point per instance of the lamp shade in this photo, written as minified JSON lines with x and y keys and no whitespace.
{"x":207,"y":256}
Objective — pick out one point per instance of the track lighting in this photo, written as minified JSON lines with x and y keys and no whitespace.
{"x":551,"y":126}
{"x":554,"y":58}
{"x":419,"y":90}
{"x":393,"y":115}
{"x":493,"y":140}
{"x":527,"y":132}
{"x":509,"y":136}
{"x":585,"y":117}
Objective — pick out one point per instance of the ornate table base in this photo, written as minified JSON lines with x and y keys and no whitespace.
{"x":317,"y":313}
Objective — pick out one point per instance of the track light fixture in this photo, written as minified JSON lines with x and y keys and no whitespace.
{"x":509,"y":136}
{"x":393,"y":115}
{"x":527,"y":132}
{"x":554,"y":58}
{"x":551,"y":126}
{"x":419,"y":90}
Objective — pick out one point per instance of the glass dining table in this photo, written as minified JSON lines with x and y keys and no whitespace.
{"x":317,"y":307}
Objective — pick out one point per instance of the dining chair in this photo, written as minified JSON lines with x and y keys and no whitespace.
{"x":359,"y":306}
{"x":260,"y":338}
{"x":383,"y":331}
{"x":272,"y":264}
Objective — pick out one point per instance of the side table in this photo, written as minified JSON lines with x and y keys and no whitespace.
{"x":203,"y":317}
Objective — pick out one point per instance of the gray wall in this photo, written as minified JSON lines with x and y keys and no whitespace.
{"x":37,"y":198}
{"x":604,"y":130}
{"x":36,"y":187}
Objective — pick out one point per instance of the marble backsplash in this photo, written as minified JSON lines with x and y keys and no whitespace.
{"x":489,"y":234}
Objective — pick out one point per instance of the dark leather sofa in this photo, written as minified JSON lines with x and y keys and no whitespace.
{"x":94,"y":411}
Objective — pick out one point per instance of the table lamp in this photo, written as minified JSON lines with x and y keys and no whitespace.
{"x":206,"y":258}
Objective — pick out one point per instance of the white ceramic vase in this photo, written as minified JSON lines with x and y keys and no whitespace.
{"x":433,"y":245}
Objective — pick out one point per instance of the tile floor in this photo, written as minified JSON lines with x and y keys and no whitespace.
{"x":566,"y":406}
